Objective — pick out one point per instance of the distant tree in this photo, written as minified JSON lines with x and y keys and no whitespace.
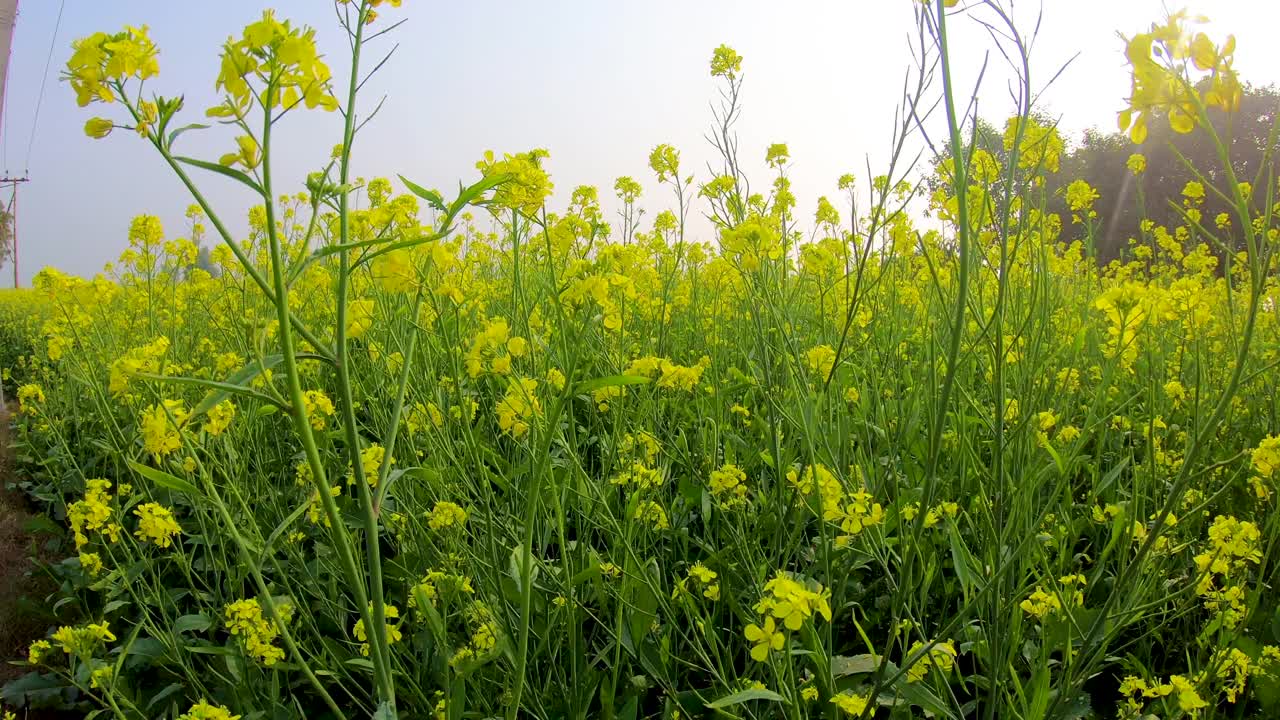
{"x":6,"y":237}
{"x":1100,"y":159}
{"x":205,"y":262}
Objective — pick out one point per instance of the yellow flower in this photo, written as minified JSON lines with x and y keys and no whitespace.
{"x":218,"y":419}
{"x":519,"y":407}
{"x":820,"y":361}
{"x":204,"y":711}
{"x":91,"y":563}
{"x":319,"y":408}
{"x":652,"y":513}
{"x":1040,"y":604}
{"x":725,"y":62}
{"x":98,"y":127}
{"x":764,"y":639}
{"x":446,"y":514}
{"x":159,"y":424}
{"x":156,"y":524}
{"x":38,"y":650}
{"x":244,"y":619}
{"x":390,"y":612}
{"x":850,"y":703}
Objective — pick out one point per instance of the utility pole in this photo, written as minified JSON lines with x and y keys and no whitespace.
{"x":12,"y":182}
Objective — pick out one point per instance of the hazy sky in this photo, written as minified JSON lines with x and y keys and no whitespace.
{"x":597,"y":82}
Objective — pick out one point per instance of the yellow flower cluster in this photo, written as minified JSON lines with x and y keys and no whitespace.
{"x":390,"y":612}
{"x":519,"y":407}
{"x":93,"y":514}
{"x":156,"y":524}
{"x":1162,"y":62}
{"x":204,"y":711}
{"x":81,"y":641}
{"x":446,"y":514}
{"x":245,"y":620}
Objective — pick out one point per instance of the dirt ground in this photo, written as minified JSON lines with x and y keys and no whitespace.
{"x":22,"y":592}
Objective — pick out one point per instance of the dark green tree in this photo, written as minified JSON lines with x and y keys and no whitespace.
{"x":1100,"y":159}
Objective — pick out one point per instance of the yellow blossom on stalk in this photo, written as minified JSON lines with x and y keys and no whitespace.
{"x":319,"y":408}
{"x":156,"y":524}
{"x":940,"y":512}
{"x":790,"y":601}
{"x":204,"y":711}
{"x":729,"y":485}
{"x":245,"y":619}
{"x":1041,"y":147}
{"x":273,"y":53}
{"x":1163,"y":63}
{"x":555,"y":379}
{"x":84,"y":640}
{"x":1080,"y":197}
{"x":637,"y":474}
{"x":390,"y":612}
{"x":93,"y":513}
{"x":751,"y":243}
{"x":820,"y":360}
{"x":941,"y":655}
{"x":1040,"y":604}
{"x":705,"y":578}
{"x":777,"y":155}
{"x":651,"y":512}
{"x":725,"y":62}
{"x":1266,"y":457}
{"x":681,"y":377}
{"x":100,"y":59}
{"x":371,"y":459}
{"x":851,"y":704}
{"x":159,"y":424}
{"x":519,"y":407}
{"x":359,"y":317}
{"x":91,"y":563}
{"x":446,"y":514}
{"x":219,"y":418}
{"x":98,"y":128}
{"x":764,"y":638}
{"x":1136,"y":163}
{"x":665,"y":162}
{"x":37,"y":651}
{"x":30,"y":398}
{"x":527,"y":186}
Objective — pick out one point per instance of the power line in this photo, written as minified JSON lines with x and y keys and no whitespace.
{"x":4,"y":105}
{"x":35,"y":121}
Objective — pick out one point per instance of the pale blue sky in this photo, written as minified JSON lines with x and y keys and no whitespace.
{"x":596,"y":82}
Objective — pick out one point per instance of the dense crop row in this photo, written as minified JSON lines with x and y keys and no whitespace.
{"x":889,"y":466}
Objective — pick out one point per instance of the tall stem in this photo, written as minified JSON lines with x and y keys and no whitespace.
{"x":377,"y":629}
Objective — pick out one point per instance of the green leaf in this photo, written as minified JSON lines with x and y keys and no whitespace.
{"x":743,"y":696}
{"x":283,"y":526}
{"x":469,"y":194}
{"x":221,"y":390}
{"x":224,"y":171}
{"x":924,"y":698}
{"x":193,"y":126}
{"x":164,"y":479}
{"x":166,"y":692}
{"x":239,"y":378}
{"x":189,"y":623}
{"x":432,"y":197}
{"x":588,"y":386}
{"x":960,"y":558}
{"x":384,"y":712}
{"x":854,"y":664}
